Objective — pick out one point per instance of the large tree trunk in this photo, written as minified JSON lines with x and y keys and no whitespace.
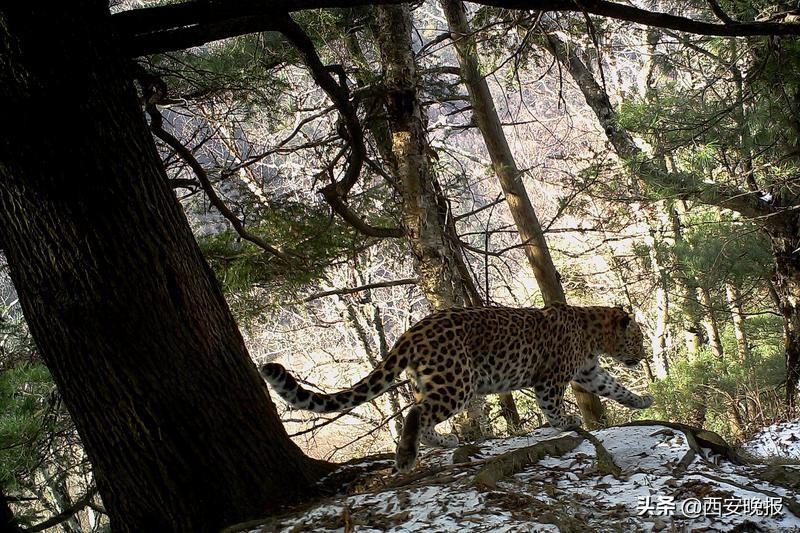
{"x":126,"y":313}
{"x":505,"y":167}
{"x":435,"y":251}
{"x":432,"y":250}
{"x":787,"y":285}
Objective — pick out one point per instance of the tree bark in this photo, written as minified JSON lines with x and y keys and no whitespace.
{"x":787,"y":284}
{"x":710,"y":323}
{"x":687,"y":286}
{"x":432,"y":250}
{"x":660,"y":354}
{"x":504,"y":165}
{"x":425,"y":211}
{"x":734,"y":298}
{"x":170,"y":27}
{"x":125,"y":311}
{"x":9,"y":521}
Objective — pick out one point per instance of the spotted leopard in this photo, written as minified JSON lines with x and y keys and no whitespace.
{"x":453,"y":355}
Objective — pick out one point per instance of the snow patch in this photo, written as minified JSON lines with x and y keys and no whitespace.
{"x":566,"y":493}
{"x":776,"y":441}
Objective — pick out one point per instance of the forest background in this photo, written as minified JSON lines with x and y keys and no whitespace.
{"x":350,"y":170}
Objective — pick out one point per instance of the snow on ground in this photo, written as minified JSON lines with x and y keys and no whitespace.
{"x":664,"y":486}
{"x":777,"y":441}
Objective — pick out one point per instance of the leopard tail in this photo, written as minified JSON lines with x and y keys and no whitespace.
{"x":374,"y":384}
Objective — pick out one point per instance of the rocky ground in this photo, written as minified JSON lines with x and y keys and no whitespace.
{"x":650,"y":477}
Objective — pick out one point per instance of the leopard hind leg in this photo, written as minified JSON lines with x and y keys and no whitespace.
{"x":419,"y":427}
{"x":441,"y":392}
{"x":408,"y":448}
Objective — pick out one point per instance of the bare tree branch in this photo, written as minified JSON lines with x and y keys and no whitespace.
{"x":156,"y":125}
{"x":66,"y":514}
{"x":352,"y":290}
{"x":721,"y":15}
{"x":352,"y":218}
{"x":336,"y":193}
{"x":178,"y":26}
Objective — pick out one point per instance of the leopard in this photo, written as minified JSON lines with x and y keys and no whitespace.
{"x":454,"y":355}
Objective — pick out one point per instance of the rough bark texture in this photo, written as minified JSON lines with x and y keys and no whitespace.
{"x":504,"y":165}
{"x":433,"y":252}
{"x":124,"y":310}
{"x":787,"y":285}
{"x":8,"y":523}
{"x":425,"y":212}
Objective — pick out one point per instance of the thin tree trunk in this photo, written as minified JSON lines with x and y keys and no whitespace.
{"x":505,"y":167}
{"x":734,"y":298}
{"x":660,"y":354}
{"x":125,"y":311}
{"x":740,"y":116}
{"x":383,"y":346}
{"x":737,"y":420}
{"x":776,"y":299}
{"x":660,"y":335}
{"x":690,"y":307}
{"x":710,"y":322}
{"x":618,"y":268}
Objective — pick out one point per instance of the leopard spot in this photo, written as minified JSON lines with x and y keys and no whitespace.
{"x":302,"y":395}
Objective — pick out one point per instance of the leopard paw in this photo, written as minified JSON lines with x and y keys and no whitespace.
{"x":450,"y":441}
{"x":568,"y":422}
{"x":405,"y":460}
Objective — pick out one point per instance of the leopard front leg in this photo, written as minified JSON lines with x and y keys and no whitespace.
{"x":600,"y":382}
{"x":550,"y":397}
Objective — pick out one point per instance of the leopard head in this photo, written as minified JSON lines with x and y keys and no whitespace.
{"x":628,"y":344}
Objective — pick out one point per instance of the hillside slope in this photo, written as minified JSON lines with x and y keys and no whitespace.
{"x":654,"y":478}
